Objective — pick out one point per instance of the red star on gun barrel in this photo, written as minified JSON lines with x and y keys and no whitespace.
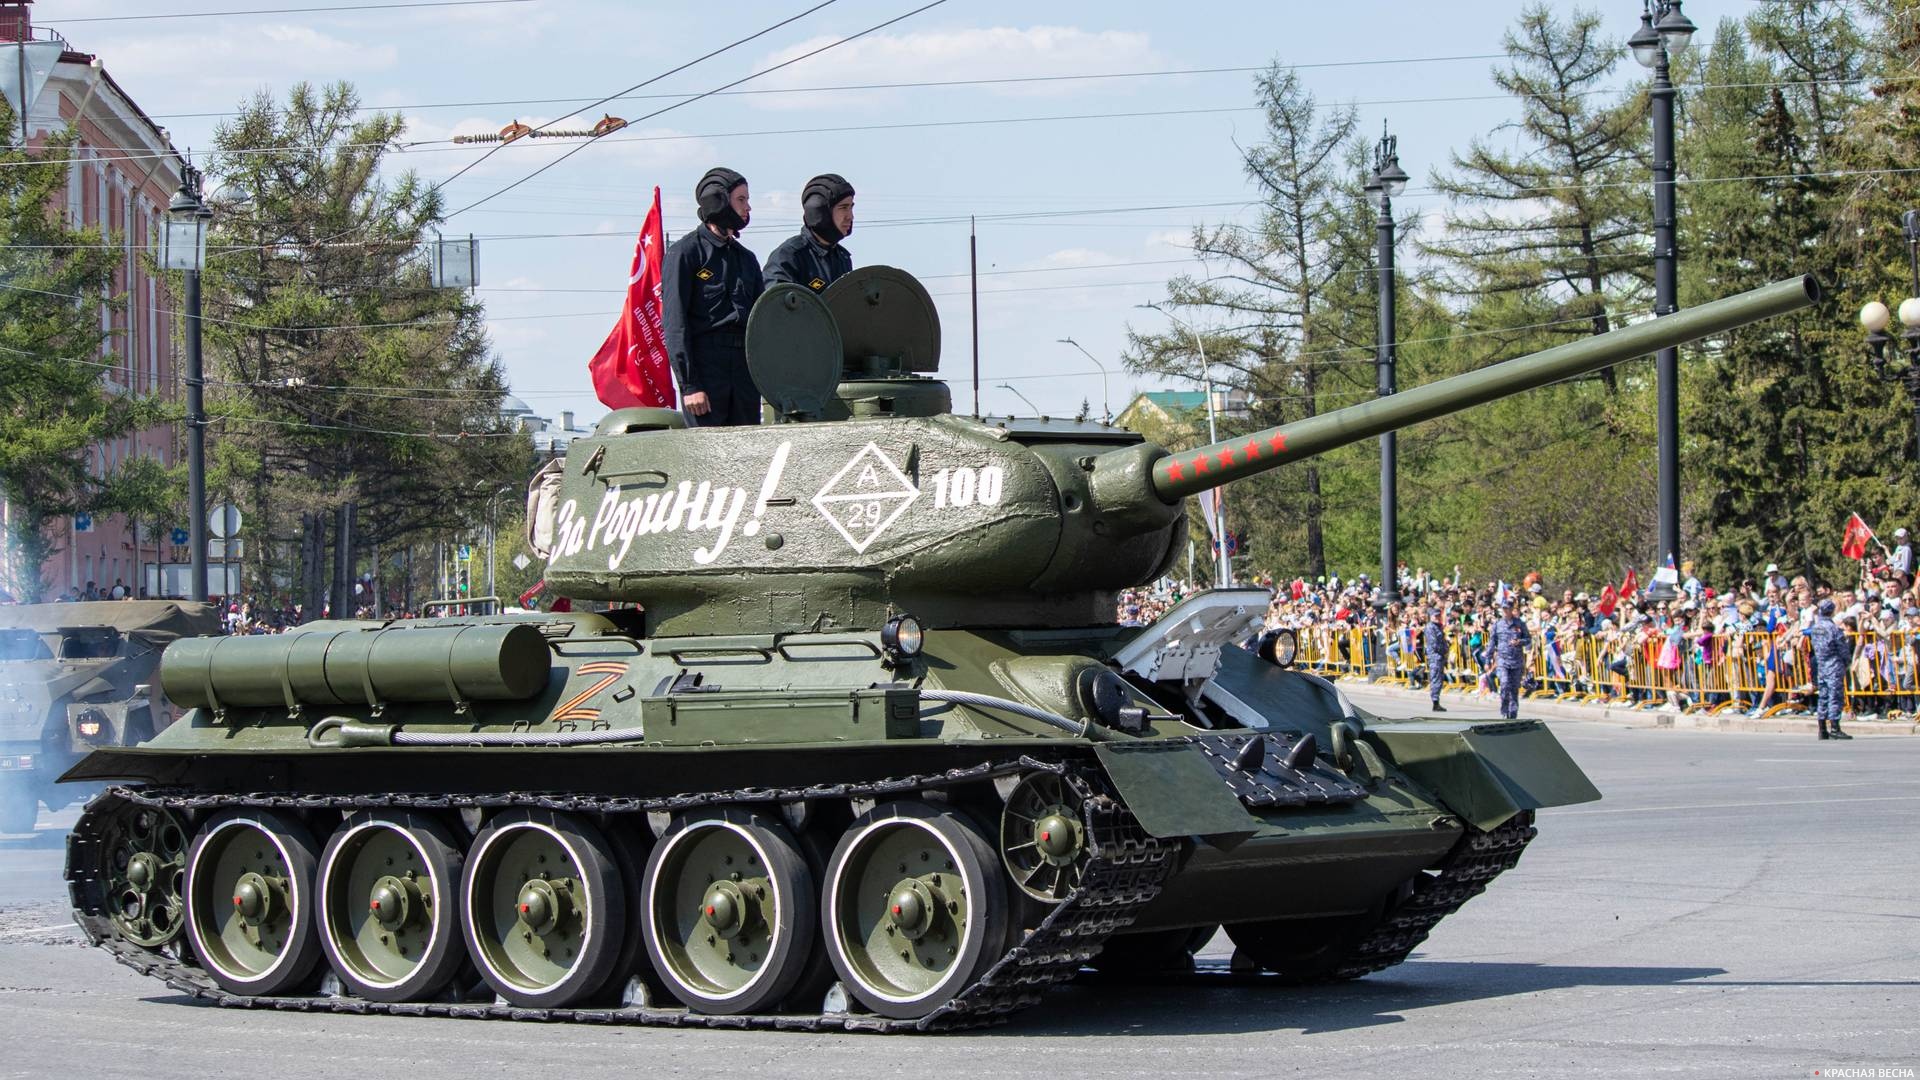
{"x":1253,"y":449}
{"x":1279,"y":442}
{"x":1226,"y":456}
{"x":1173,"y":471}
{"x":1200,"y":464}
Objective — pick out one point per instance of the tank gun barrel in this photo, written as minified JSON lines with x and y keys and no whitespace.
{"x":1177,"y":476}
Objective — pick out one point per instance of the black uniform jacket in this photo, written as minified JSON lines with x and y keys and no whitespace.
{"x":804,"y":260}
{"x":708,"y":284}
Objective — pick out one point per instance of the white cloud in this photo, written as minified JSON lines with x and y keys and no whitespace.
{"x":938,"y":55}
{"x":226,"y":66}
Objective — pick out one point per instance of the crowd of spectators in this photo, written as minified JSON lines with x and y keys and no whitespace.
{"x":1597,"y":637}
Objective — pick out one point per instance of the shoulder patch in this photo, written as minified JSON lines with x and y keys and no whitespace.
{"x":816,"y":284}
{"x":704,"y":274}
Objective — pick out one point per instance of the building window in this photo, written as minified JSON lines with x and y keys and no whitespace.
{"x":127,"y":339}
{"x":74,"y":182}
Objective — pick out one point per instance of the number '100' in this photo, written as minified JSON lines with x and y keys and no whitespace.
{"x":965,"y":486}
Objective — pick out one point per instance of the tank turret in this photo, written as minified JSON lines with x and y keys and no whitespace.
{"x":868,"y":497}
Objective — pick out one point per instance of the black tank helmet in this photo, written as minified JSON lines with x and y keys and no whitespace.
{"x":817,"y":201}
{"x":714,"y":194}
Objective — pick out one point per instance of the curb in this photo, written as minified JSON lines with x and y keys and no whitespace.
{"x":1536,"y":708}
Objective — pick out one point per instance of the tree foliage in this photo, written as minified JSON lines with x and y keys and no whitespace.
{"x":56,"y":406}
{"x":1798,"y":128}
{"x":344,"y":379}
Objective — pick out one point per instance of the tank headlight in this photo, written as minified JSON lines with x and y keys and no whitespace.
{"x":90,"y":724}
{"x":902,"y":636}
{"x":1278,"y":647}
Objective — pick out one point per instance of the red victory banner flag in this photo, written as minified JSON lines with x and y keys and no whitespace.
{"x":1630,"y":585}
{"x":631,"y":367}
{"x":1854,"y":544}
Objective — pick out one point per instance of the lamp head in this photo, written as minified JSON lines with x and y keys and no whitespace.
{"x":1645,"y":41}
{"x":1393,"y":178}
{"x":1676,"y":30}
{"x":1874,"y":317}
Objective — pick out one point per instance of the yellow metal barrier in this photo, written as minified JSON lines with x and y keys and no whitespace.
{"x":1772,"y":673}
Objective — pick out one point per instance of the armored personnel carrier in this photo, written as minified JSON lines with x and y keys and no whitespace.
{"x":74,"y":677}
{"x":869,"y":751}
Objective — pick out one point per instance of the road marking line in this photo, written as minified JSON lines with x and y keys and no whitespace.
{"x":1857,"y":783}
{"x":1736,"y":805}
{"x":38,"y":930}
{"x":1801,"y":761}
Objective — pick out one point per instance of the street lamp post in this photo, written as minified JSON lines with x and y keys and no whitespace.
{"x":1106,"y":407}
{"x":1009,"y":389}
{"x":1223,"y":564}
{"x":184,"y":248}
{"x":1388,"y":180}
{"x":1875,"y":318}
{"x":1664,"y":33}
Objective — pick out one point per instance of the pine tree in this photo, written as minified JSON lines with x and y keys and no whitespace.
{"x":1554,"y":224}
{"x":54,"y":406}
{"x":362,"y":401}
{"x":1267,"y":333}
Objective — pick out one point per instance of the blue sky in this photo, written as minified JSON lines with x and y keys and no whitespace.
{"x":553,"y":297}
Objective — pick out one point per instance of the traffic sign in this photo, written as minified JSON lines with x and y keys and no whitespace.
{"x":466,"y":552}
{"x":223,"y":521}
{"x":180,"y":536}
{"x":521,"y":562}
{"x":82,"y":522}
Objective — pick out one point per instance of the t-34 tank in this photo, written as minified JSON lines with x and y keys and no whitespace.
{"x":871,"y":753}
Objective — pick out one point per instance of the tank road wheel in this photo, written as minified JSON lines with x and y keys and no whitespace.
{"x":250,"y":901}
{"x":916,"y":908}
{"x":387,"y":916}
{"x":544,"y":909}
{"x":146,"y":875}
{"x":1041,"y":838}
{"x":729,"y":911}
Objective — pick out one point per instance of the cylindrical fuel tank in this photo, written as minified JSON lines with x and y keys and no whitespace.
{"x":487,"y":662}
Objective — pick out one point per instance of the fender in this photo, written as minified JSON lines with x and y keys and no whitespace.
{"x":1485,"y":772}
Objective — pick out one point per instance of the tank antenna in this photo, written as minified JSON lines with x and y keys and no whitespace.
{"x":973,"y":275}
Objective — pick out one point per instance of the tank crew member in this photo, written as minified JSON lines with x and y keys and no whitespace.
{"x":708,"y":285}
{"x":816,"y":257}
{"x":1509,"y":642}
{"x":1832,"y":651}
{"x":1435,"y":643}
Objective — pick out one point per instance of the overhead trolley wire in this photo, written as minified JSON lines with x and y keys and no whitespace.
{"x":920,"y":84}
{"x":443,"y":146}
{"x":678,"y":104}
{"x":645,"y":82}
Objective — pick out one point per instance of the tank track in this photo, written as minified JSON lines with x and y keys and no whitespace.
{"x":1480,"y":857}
{"x":1125,"y":870}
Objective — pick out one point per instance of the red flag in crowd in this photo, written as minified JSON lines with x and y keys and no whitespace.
{"x":1608,"y":601}
{"x":1854,"y":544}
{"x":631,"y":367}
{"x":1630,"y":586}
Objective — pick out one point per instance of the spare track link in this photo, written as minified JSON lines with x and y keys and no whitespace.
{"x":1478,"y":859}
{"x":1125,"y":870}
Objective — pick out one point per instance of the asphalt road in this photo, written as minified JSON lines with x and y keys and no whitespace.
{"x":1740,"y":905}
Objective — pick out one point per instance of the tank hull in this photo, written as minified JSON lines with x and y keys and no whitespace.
{"x":1304,"y":826}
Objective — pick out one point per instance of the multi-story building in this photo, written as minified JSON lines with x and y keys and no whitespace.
{"x":120,"y":178}
{"x":550,"y":438}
